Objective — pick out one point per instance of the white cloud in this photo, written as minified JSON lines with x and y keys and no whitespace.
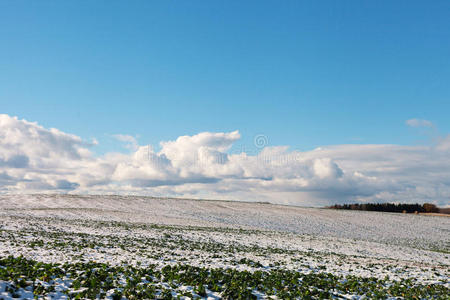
{"x":444,"y":144}
{"x":131,"y":141}
{"x":325,"y":168}
{"x":419,"y":123}
{"x":34,"y":159}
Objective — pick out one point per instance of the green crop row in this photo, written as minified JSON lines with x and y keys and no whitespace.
{"x":97,"y":280}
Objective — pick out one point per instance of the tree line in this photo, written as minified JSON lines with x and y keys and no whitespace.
{"x":390,"y":207}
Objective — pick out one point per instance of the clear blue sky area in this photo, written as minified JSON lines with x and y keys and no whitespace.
{"x":304,"y":73}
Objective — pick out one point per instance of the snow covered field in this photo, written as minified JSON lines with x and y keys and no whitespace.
{"x":387,"y":253}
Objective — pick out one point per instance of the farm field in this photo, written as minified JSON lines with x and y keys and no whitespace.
{"x":66,"y":246}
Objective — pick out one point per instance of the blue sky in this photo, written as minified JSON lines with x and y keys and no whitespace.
{"x":359,"y":91}
{"x":303,"y":73}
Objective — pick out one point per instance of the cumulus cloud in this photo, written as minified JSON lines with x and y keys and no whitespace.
{"x":35,"y":159}
{"x":419,"y":123}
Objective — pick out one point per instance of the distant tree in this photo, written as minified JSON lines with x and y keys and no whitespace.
{"x":389,"y":207}
{"x":430,"y":208}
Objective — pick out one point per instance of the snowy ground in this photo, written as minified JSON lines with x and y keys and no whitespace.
{"x":150,"y":232}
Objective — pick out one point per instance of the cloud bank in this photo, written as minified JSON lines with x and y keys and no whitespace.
{"x":36,"y":159}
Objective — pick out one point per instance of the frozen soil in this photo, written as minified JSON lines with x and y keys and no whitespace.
{"x":360,"y":254}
